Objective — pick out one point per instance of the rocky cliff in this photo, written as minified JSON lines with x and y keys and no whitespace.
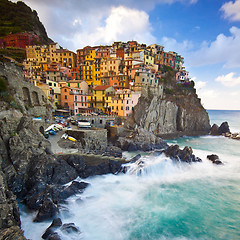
{"x":178,"y":111}
{"x":18,"y":17}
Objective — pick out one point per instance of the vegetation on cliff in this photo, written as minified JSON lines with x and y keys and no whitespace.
{"x":18,"y":17}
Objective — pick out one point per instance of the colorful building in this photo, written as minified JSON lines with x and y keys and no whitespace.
{"x":99,"y":95}
{"x":21,"y":40}
{"x":74,"y":99}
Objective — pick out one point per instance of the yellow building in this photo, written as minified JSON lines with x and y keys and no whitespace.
{"x":54,"y":92}
{"x":122,"y":102}
{"x":89,"y":67}
{"x":99,"y":96}
{"x":110,"y":66}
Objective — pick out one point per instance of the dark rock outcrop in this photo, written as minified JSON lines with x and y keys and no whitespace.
{"x":214,"y":130}
{"x":185,"y":155}
{"x":56,"y":223}
{"x":215,"y":159}
{"x":140,"y":140}
{"x":224,"y":128}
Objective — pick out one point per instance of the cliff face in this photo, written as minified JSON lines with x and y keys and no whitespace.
{"x":20,"y":97}
{"x":175,"y":114}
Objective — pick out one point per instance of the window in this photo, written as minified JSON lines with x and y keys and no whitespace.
{"x":127,"y":108}
{"x":127,"y":101}
{"x":121,"y":107}
{"x":55,"y":84}
{"x":112,"y":107}
{"x":50,"y":84}
{"x":65,"y":90}
{"x":100,"y":121}
{"x":65,"y":96}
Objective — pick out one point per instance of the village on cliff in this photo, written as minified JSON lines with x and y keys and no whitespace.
{"x":100,"y":79}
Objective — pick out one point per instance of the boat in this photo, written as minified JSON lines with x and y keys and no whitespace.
{"x":84,"y":124}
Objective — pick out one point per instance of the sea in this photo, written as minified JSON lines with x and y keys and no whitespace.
{"x":159,"y":199}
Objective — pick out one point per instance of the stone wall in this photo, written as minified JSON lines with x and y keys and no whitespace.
{"x":97,"y":121}
{"x":31,"y":99}
{"x":92,"y":140}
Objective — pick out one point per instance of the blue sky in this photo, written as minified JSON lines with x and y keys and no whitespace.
{"x":205,"y":32}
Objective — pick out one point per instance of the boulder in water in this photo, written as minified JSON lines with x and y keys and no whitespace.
{"x":214,"y":158}
{"x":214,"y":130}
{"x":57,"y":222}
{"x":185,"y":155}
{"x":224,"y":128}
{"x":70,"y":228}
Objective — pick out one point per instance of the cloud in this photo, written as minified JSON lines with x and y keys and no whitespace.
{"x":65,"y":20}
{"x":223,"y":50}
{"x":231,"y":10}
{"x":122,"y":24}
{"x":228,"y":80}
{"x":180,"y":47}
{"x":199,"y":84}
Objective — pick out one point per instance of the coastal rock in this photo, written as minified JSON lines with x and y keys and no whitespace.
{"x":54,"y":236}
{"x":214,"y":130}
{"x":141,"y":140}
{"x":224,"y":128}
{"x":63,"y":172}
{"x":13,"y":232}
{"x":47,"y":211}
{"x":214,"y":158}
{"x":70,"y":228}
{"x":56,"y":223}
{"x":185,"y":155}
{"x":172,"y":115}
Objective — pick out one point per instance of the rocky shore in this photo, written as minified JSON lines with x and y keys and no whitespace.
{"x":36,"y":176}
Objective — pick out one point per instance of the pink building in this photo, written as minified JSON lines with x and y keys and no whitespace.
{"x":80,"y":101}
{"x":102,"y":53}
{"x":131,"y":101}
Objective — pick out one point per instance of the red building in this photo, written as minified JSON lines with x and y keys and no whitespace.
{"x":20,"y":40}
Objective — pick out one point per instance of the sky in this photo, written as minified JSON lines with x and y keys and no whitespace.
{"x":205,"y":32}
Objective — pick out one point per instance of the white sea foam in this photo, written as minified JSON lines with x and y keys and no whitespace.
{"x":120,"y":207}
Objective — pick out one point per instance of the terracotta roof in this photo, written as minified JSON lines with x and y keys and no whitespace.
{"x":100,"y":88}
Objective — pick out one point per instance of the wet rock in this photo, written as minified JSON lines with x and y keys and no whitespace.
{"x":135,"y":158}
{"x":54,"y":236}
{"x":224,"y":128}
{"x":70,"y":228}
{"x":63,"y":173}
{"x":214,"y":158}
{"x":214,"y":130}
{"x":185,"y":155}
{"x":56,"y":223}
{"x":47,"y":211}
{"x":75,"y":187}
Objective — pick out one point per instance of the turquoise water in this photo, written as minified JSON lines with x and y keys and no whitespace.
{"x":159,"y":199}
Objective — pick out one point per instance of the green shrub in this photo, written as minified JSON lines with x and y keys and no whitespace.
{"x":3,"y":84}
{"x":168,"y":91}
